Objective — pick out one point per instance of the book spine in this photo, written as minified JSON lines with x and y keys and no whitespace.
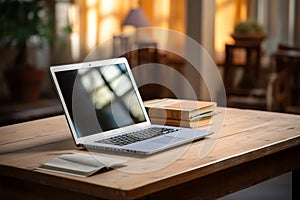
{"x":171,"y":114}
{"x":181,"y":123}
{"x":170,"y":123}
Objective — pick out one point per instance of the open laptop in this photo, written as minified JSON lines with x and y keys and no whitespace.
{"x":105,"y":111}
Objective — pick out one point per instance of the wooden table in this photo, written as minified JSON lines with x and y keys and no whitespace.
{"x":252,"y":146}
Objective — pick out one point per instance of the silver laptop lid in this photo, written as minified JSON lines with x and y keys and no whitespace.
{"x":100,"y":98}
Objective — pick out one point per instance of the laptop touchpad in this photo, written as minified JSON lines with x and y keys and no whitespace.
{"x":167,"y":140}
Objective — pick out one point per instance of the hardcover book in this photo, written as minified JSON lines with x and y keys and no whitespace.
{"x":178,"y":109}
{"x":182,"y":123}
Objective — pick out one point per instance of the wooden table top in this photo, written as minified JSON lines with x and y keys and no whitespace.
{"x":245,"y":135}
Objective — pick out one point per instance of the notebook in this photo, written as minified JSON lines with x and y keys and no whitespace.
{"x":105,"y":111}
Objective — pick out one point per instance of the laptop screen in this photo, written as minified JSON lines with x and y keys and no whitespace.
{"x":99,"y":98}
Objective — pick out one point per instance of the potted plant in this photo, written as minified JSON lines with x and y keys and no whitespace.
{"x":248,"y":31}
{"x":20,"y":21}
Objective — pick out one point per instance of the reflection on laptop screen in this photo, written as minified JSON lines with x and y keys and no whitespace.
{"x":100,"y":98}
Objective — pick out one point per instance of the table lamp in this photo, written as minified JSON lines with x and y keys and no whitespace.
{"x":137,"y":18}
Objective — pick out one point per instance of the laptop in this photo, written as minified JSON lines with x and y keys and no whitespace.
{"x":105,"y":111}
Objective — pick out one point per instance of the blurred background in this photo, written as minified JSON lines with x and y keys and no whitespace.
{"x":254,"y":44}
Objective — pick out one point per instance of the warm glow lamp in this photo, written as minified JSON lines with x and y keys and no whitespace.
{"x":137,"y":18}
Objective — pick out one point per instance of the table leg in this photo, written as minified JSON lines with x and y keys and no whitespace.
{"x":296,"y":184}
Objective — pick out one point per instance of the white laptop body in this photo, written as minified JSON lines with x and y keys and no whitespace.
{"x":102,"y":104}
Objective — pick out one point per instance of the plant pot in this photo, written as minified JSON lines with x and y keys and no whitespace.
{"x":254,"y":39}
{"x":24,"y":84}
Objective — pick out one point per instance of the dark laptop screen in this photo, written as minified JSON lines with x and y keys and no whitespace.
{"x":100,"y":98}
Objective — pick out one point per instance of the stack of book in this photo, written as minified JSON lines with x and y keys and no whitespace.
{"x":177,"y":112}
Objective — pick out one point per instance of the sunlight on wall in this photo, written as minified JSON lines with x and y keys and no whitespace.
{"x":92,"y":23}
{"x":161,"y":13}
{"x":108,"y":27}
{"x":109,"y":24}
{"x":75,"y":38}
{"x":96,"y":21}
{"x":228,"y":13}
{"x":104,"y":20}
{"x":107,"y":7}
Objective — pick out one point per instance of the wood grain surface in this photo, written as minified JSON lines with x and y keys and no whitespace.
{"x":245,"y":136}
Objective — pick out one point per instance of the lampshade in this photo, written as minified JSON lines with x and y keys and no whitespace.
{"x":137,"y":18}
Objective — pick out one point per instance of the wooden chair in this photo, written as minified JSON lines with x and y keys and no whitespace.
{"x":250,"y":65}
{"x":243,"y":90}
{"x":286,"y":81}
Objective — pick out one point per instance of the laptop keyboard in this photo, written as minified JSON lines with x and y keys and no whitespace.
{"x":137,"y":136}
